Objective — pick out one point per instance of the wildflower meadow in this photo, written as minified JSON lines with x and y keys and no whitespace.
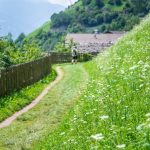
{"x":114,"y":111}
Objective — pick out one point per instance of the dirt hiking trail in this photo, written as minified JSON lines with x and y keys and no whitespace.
{"x":9,"y":120}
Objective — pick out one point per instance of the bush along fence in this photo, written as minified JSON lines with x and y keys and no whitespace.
{"x":20,"y":76}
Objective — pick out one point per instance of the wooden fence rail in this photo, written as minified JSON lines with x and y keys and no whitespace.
{"x":19,"y":76}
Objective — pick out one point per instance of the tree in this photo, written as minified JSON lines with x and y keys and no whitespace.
{"x":92,"y":22}
{"x":99,"y":19}
{"x":86,"y":2}
{"x":118,"y":2}
{"x":99,"y":3}
{"x":138,"y":6}
{"x":9,"y":38}
{"x":20,"y":39}
{"x":103,"y":28}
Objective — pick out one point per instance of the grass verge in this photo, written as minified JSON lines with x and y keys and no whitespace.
{"x":17,"y":100}
{"x":48,"y":113}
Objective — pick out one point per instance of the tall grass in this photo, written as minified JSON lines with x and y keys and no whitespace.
{"x":114,"y":112}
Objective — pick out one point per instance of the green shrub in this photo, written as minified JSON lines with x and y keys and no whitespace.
{"x":85,"y":57}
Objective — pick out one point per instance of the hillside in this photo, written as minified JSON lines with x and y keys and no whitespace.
{"x":45,"y":28}
{"x":114,"y":111}
{"x":88,"y":15}
{"x":85,"y":15}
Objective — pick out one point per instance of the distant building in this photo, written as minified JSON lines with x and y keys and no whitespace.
{"x":88,"y":42}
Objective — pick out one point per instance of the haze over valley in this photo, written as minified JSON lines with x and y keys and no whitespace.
{"x":25,"y":16}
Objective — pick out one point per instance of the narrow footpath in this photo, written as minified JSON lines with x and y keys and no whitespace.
{"x":30,"y":125}
{"x":9,"y":120}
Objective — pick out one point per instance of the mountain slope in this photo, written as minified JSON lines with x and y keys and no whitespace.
{"x":88,"y":15}
{"x":102,"y":14}
{"x":114,"y":111}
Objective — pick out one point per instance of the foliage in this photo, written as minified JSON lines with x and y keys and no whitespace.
{"x":46,"y":40}
{"x":20,"y":39}
{"x":14,"y":53}
{"x":4,"y":53}
{"x":26,"y":53}
{"x":85,"y":57}
{"x":114,"y":111}
{"x":64,"y":47}
{"x":87,"y":15}
{"x":60,"y":47}
{"x":93,"y":13}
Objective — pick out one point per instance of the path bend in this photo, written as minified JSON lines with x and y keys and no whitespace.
{"x":47,"y":115}
{"x":9,"y":120}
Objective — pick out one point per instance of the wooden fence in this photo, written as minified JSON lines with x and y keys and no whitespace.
{"x":19,"y":76}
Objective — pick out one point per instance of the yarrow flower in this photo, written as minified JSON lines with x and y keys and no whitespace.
{"x":133,"y":67}
{"x":121,"y":146}
{"x":63,"y":133}
{"x":97,"y":136}
{"x":104,"y":117}
{"x":148,"y":120}
{"x":148,"y":126}
{"x":147,"y":115}
{"x":139,"y":127}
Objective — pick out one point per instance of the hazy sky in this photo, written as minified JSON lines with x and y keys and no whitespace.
{"x":62,"y":2}
{"x":18,"y":16}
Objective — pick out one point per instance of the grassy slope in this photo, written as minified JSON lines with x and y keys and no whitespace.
{"x":114,"y":112}
{"x":17,"y":100}
{"x":43,"y":119}
{"x":71,"y":10}
{"x":45,"y":27}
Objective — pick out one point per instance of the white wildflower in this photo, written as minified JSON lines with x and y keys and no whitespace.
{"x":122,"y":117}
{"x":140,"y":62}
{"x":104,"y":117}
{"x":133,"y":67}
{"x":146,"y":66}
{"x":139,"y":127}
{"x":148,"y":126}
{"x":148,"y":120}
{"x":97,"y":136}
{"x":141,"y":85}
{"x":63,"y":133}
{"x":147,"y":115}
{"x":95,"y":109}
{"x":122,"y":72}
{"x":121,"y":146}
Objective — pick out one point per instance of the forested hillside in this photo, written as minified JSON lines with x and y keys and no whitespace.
{"x":102,"y":14}
{"x":44,"y":37}
{"x":88,"y":15}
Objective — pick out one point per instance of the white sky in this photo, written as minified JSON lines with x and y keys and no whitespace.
{"x":62,"y":2}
